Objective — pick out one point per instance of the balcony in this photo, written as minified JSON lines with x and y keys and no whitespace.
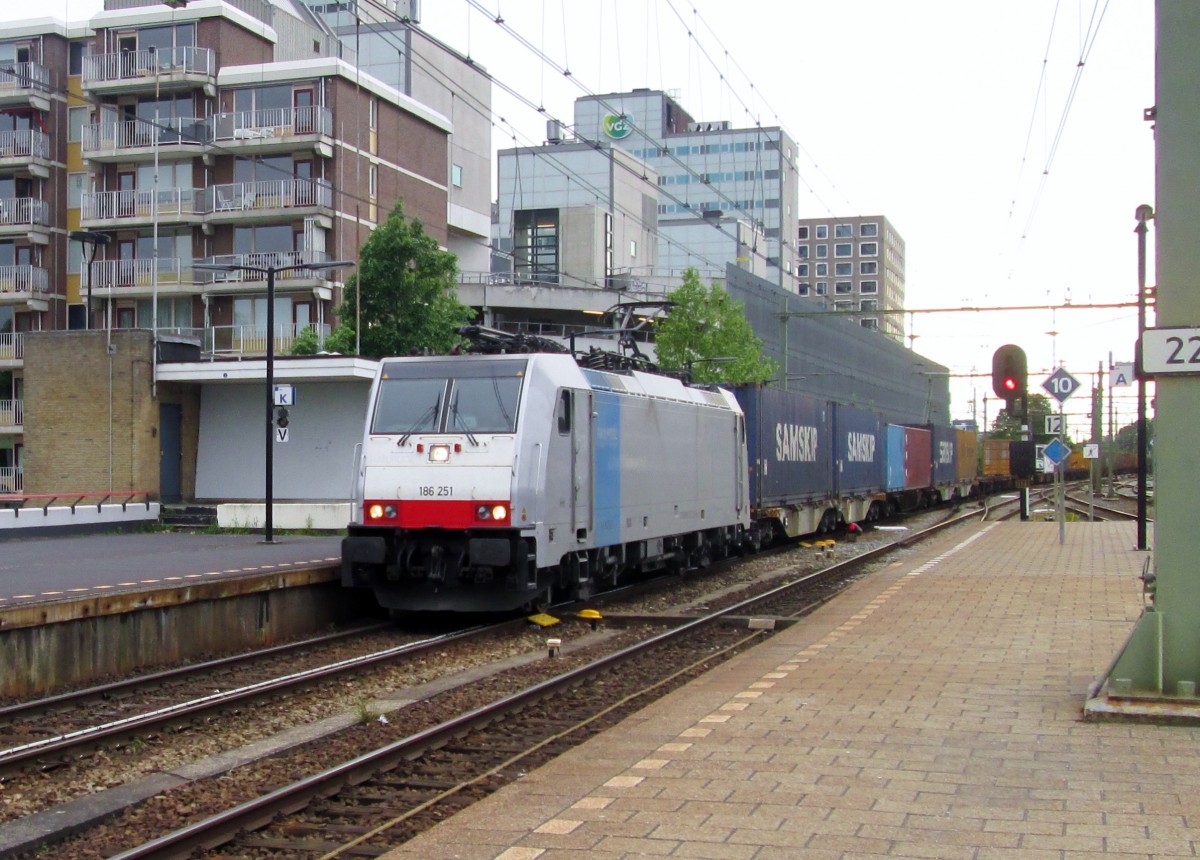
{"x":25,"y":217}
{"x":12,"y":416}
{"x":167,"y":70}
{"x":27,"y":151}
{"x":270,"y":200}
{"x":24,"y":284}
{"x":263,"y":132}
{"x":112,"y":210}
{"x":135,"y":278}
{"x":25,"y":85}
{"x":241,"y":282}
{"x":12,"y":349}
{"x":244,"y":341}
{"x":12,"y":479}
{"x":140,"y":139}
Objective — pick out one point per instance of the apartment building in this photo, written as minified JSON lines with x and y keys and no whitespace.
{"x":160,"y":138}
{"x":856,"y":264}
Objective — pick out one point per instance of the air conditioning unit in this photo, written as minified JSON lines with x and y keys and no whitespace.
{"x":554,"y":132}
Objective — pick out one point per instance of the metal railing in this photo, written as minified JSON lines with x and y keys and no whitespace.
{"x":146,"y":64}
{"x":260,"y":9}
{"x":12,"y":479}
{"x":251,"y":340}
{"x":12,"y":346}
{"x":25,"y":143}
{"x":268,"y":194}
{"x":141,"y":133}
{"x":139,"y":273}
{"x":27,"y":211}
{"x":273,"y":123}
{"x":23,"y":279}
{"x":265,"y":259}
{"x":23,"y":76}
{"x":140,"y":205}
{"x":12,"y":413}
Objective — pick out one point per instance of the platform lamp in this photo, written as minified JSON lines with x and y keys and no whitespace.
{"x":270,"y":272}
{"x":89,"y":238}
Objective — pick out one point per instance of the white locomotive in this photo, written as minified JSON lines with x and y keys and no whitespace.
{"x":495,"y":482}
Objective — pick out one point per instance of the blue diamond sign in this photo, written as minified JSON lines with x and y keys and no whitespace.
{"x":1056,"y":451}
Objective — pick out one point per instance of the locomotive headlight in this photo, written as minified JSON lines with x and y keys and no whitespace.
{"x":389,"y":511}
{"x":499,"y":512}
{"x":439,"y":453}
{"x":483,"y":512}
{"x":375,"y":512}
{"x":379,"y":512}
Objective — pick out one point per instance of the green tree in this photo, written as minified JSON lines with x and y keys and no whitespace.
{"x":408,"y":303}
{"x":1007,"y":427}
{"x":707,"y":331}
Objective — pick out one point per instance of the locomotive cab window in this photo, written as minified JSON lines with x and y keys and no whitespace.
{"x":449,"y":397}
{"x":564,"y":412}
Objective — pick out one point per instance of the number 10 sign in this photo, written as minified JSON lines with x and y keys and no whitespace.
{"x":1171,"y":350}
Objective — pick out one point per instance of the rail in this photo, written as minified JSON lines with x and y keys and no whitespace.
{"x":24,"y":211}
{"x":23,"y":279}
{"x":12,"y":346}
{"x":24,"y":143}
{"x":147,"y":63}
{"x":274,"y":123}
{"x":24,"y":76}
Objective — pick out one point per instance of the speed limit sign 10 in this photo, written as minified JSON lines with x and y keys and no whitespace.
{"x":1061,"y":384}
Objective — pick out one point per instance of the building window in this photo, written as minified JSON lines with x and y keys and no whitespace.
{"x":802,"y":252}
{"x":822,"y":251}
{"x":843,"y":270}
{"x":868,"y":286}
{"x":456,"y":175}
{"x":843,"y":249}
{"x":822,"y":270}
{"x":869,"y":322}
{"x":75,"y":183}
{"x":373,"y":113}
{"x":77,"y":51}
{"x":803,"y":234}
{"x":535,"y":244}
{"x":804,"y":289}
{"x":868,"y":231}
{"x":868,"y":249}
{"x":843,"y":288}
{"x":869,"y":305}
{"x":802,"y":270}
{"x":373,"y":181}
{"x":842,"y":306}
{"x":77,"y":118}
{"x":822,"y":231}
{"x":822,"y":288}
{"x":868,"y":267}
{"x":632,"y":249}
{"x":843,"y":231}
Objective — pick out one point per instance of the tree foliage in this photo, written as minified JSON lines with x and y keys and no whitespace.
{"x":408,"y":303}
{"x":1006,"y":426}
{"x":707,"y":331}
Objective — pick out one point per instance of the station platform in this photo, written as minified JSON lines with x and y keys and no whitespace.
{"x":934,"y":709}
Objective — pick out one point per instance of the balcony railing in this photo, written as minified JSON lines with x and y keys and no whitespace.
{"x":269,"y":194}
{"x":12,"y":413}
{"x":22,"y":279}
{"x":12,"y":346}
{"x":12,"y":479}
{"x":25,"y":143}
{"x":139,"y":274}
{"x":27,"y":211}
{"x":141,"y":205}
{"x":248,"y":340}
{"x":23,"y":76}
{"x":264,"y":260}
{"x":100,"y":137}
{"x":274,"y":123}
{"x":145,"y":64}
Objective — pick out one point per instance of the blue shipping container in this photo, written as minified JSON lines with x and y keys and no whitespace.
{"x":790,"y":442}
{"x":945,"y":457}
{"x":894,"y":458}
{"x":858,"y":446}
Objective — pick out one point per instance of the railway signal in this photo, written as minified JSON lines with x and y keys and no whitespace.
{"x":1010,"y":378}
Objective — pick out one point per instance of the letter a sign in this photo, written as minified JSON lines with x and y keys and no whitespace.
{"x":1121,"y":374}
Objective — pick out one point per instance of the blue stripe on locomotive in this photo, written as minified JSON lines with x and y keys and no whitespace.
{"x":790,"y":444}
{"x":606,"y":445}
{"x":859,"y":449}
{"x":893,"y":478}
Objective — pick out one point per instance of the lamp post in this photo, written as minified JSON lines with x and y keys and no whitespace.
{"x":270,"y":272}
{"x":88,"y":238}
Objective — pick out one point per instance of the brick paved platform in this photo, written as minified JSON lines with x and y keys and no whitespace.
{"x":933,"y":710}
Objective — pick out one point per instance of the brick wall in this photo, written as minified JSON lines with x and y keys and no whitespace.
{"x":89,"y":430}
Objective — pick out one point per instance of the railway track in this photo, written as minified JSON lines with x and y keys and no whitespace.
{"x":374,"y":799}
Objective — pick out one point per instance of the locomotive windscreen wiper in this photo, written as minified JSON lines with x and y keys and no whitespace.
{"x":431,"y":412}
{"x":458,"y":420}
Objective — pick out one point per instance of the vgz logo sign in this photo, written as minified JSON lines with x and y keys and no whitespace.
{"x":618,"y":127}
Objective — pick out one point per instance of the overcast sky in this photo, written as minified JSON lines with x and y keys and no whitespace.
{"x":1011,"y":170}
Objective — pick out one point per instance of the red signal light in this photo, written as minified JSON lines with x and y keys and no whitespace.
{"x":1010,"y":384}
